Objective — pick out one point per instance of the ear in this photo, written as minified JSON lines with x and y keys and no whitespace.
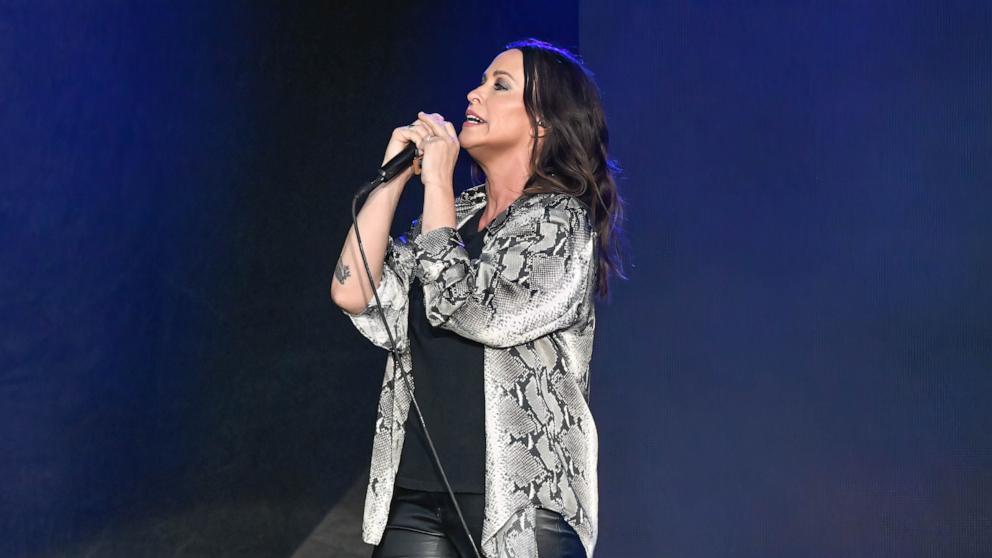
{"x":543,"y":131}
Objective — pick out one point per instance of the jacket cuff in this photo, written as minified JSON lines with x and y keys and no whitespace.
{"x":430,"y":249}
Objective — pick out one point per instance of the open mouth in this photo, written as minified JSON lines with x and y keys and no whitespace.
{"x":474,"y":120}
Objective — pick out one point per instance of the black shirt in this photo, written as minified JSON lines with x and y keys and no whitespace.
{"x":448,"y":384}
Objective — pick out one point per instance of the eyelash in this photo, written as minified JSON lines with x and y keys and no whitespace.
{"x":497,"y":84}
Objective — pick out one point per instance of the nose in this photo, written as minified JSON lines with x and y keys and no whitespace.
{"x":473,"y":96}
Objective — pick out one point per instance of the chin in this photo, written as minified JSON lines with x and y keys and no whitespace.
{"x":467,"y":144}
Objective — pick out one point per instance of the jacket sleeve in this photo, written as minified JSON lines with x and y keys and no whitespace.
{"x":530,"y":280}
{"x":394,"y":288}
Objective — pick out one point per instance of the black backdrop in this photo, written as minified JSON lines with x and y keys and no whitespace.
{"x":799,"y":364}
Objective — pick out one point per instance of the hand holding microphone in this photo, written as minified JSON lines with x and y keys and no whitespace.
{"x":430,"y":144}
{"x":404,"y":145}
{"x":440,"y":151}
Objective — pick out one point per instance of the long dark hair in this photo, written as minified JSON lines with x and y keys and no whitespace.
{"x":573,"y":159}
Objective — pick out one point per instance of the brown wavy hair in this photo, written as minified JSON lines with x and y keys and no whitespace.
{"x":573,"y":159}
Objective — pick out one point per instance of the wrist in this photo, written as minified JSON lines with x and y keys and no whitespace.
{"x":439,"y":207}
{"x":397,"y":183}
{"x":437,"y":184}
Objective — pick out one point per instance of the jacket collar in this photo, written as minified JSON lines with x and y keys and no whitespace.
{"x":475,"y":198}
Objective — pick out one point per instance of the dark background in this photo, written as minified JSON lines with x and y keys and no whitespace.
{"x":799,"y":365}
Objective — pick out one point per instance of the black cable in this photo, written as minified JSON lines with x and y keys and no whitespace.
{"x":397,"y":359}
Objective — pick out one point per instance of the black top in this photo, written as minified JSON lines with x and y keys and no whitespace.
{"x":447,"y":373}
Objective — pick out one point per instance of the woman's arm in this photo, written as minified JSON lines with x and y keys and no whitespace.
{"x":350,"y":288}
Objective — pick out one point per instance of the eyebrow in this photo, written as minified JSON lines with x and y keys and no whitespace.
{"x":498,"y":72}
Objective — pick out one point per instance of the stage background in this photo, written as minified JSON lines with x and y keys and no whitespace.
{"x":799,"y":364}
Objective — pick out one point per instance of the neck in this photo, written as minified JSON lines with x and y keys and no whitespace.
{"x":505,"y":180}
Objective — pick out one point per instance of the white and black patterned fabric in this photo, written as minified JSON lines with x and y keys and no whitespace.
{"x":529,"y":299}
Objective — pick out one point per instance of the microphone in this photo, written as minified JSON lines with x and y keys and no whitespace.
{"x":397,"y":164}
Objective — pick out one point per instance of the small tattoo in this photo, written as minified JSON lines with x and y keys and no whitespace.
{"x":342,"y":272}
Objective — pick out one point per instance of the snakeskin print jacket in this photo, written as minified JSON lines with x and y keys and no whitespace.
{"x":529,"y":300}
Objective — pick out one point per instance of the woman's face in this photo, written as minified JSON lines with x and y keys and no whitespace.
{"x":499,"y":102}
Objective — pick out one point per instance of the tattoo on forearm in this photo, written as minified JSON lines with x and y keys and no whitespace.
{"x":342,"y":272}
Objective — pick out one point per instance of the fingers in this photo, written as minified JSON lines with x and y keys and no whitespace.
{"x":430,"y":121}
{"x":415,"y":132}
{"x":420,"y":132}
{"x":436,"y":123}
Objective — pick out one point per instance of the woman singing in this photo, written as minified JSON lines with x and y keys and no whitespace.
{"x":490,"y":300}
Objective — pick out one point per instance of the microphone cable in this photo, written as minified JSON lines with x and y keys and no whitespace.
{"x":385,"y":175}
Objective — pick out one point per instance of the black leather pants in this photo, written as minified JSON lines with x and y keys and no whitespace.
{"x":425,"y":525}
